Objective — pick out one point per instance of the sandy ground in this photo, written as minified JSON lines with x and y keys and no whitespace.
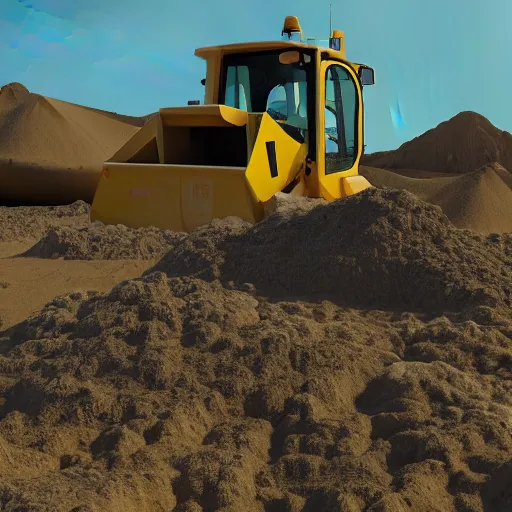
{"x":37,"y":242}
{"x":352,"y":356}
{"x":27,"y":284}
{"x":301,"y":364}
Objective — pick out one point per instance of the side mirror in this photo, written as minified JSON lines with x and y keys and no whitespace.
{"x":291,"y":57}
{"x":367,"y":76}
{"x":203,"y":81}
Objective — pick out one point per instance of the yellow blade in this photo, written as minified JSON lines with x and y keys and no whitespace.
{"x":179,"y":198}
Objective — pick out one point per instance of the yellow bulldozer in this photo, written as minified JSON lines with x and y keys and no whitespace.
{"x":279,"y":116}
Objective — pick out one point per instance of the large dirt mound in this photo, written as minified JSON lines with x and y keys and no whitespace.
{"x":462,"y":144}
{"x":177,"y":394}
{"x":24,"y":223}
{"x":100,"y":242}
{"x":379,"y":248}
{"x":210,"y":384}
{"x":52,"y":151}
{"x":480,"y":200}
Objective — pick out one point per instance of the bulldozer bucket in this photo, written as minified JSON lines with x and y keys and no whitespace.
{"x":191,"y":165}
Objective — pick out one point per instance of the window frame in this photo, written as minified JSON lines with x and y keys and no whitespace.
{"x":311,"y":87}
{"x":357,"y":106}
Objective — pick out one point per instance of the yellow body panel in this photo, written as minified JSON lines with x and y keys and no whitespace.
{"x":179,"y":198}
{"x":290,"y":157}
{"x":140,"y":139}
{"x":207,"y":51}
{"x":354,"y":184}
{"x":331,"y":186}
{"x":203,"y":115}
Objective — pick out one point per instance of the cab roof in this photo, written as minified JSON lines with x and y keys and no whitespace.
{"x":208,"y":51}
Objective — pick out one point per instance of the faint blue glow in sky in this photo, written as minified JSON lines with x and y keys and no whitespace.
{"x":437,"y":57}
{"x":396,"y":115}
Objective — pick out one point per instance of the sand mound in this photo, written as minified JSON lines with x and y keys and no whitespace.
{"x":209,"y":384}
{"x":286,"y":205}
{"x":12,"y":94}
{"x":480,"y":200}
{"x":462,"y":144}
{"x":99,"y":242}
{"x":380,"y":248}
{"x":51,"y":151}
{"x":505,"y":175}
{"x":31,"y":222}
{"x":177,"y":394}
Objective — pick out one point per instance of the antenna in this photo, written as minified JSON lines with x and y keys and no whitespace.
{"x":330,"y":19}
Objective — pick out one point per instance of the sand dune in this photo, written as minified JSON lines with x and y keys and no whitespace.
{"x":480,"y":200}
{"x":302,"y":364}
{"x":462,"y":144}
{"x":51,"y":151}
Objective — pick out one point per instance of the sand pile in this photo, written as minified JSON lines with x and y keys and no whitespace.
{"x":241,"y":372}
{"x":177,"y":394}
{"x":172,"y":392}
{"x":99,"y":242}
{"x":380,"y":248}
{"x":12,"y":94}
{"x":505,"y":175}
{"x":462,"y":144}
{"x":24,"y":223}
{"x":480,"y":200}
{"x":51,"y":151}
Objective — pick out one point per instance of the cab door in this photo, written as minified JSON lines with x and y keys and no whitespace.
{"x":340,"y":127}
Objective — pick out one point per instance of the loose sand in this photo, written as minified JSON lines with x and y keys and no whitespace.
{"x":98,"y":242}
{"x":32,"y":235}
{"x":480,"y":200}
{"x":306,"y":363}
{"x":30,"y":223}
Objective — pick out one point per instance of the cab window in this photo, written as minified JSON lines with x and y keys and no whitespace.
{"x":340,"y":120}
{"x":259,"y":82}
{"x":236,"y":95}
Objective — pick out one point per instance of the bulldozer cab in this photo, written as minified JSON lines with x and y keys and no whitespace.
{"x":278,"y":116}
{"x":275,"y":82}
{"x":316,"y":98}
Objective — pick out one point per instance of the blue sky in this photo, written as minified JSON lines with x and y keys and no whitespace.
{"x":432,"y":59}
